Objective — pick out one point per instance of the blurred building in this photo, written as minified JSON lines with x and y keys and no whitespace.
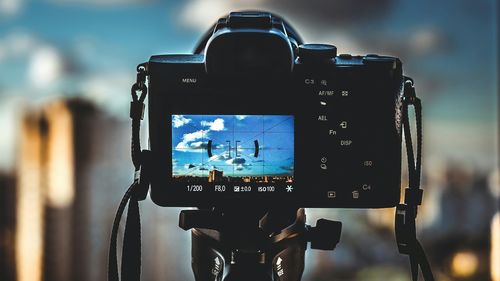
{"x":7,"y":227}
{"x":495,"y":248}
{"x":52,"y":193}
{"x":29,"y":210}
{"x":73,"y":168}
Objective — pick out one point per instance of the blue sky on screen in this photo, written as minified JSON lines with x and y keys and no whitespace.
{"x":234,"y":140}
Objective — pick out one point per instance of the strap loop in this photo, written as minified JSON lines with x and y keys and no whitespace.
{"x":413,"y":196}
{"x":137,"y":110}
{"x":406,"y":236}
{"x":112,"y":257}
{"x":138,"y":91}
{"x":131,"y":254}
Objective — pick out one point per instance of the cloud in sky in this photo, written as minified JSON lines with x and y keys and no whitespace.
{"x":17,"y":44}
{"x":106,"y":90}
{"x":239,"y":164}
{"x":11,"y":7}
{"x":220,"y":157}
{"x":46,"y":66}
{"x":198,"y":145}
{"x":179,"y":121}
{"x":194,"y":136}
{"x":189,"y":142}
{"x":188,"y":139}
{"x":203,"y":13}
{"x":216,"y":125}
{"x":236,"y":161}
{"x":118,"y":3}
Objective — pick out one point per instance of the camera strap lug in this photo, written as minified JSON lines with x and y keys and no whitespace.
{"x":406,"y":213}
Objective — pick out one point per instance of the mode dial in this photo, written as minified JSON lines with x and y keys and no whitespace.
{"x":385,"y":61}
{"x":317,"y":52}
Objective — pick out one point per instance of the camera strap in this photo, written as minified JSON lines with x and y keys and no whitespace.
{"x":406,"y":213}
{"x":131,"y":253}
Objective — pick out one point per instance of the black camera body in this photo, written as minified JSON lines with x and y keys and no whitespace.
{"x":255,"y":117}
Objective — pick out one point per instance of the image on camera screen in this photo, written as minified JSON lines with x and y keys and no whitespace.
{"x":233,"y":148}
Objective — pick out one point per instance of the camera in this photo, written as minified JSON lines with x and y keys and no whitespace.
{"x":257,"y":117}
{"x":254,"y":126}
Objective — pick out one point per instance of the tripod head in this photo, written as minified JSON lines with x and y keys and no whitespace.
{"x":254,"y":243}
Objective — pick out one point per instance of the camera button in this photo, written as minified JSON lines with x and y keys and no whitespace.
{"x":317,"y":52}
{"x":345,"y":56}
{"x":368,"y":163}
{"x":377,"y":60}
{"x":332,"y":132}
{"x":355,"y":194}
{"x":309,"y":81}
{"x":331,"y":194}
{"x":366,"y":187}
{"x":344,"y":93}
{"x":326,"y":93}
{"x":322,"y":118}
{"x":346,"y":143}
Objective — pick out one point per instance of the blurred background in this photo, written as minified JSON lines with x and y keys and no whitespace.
{"x":66,"y":67}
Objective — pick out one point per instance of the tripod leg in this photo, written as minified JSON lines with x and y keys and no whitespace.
{"x":288,"y":265}
{"x":206,"y":261}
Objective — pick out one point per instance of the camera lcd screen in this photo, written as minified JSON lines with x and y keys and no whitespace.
{"x":233,"y":148}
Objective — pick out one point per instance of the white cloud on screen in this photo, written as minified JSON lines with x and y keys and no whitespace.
{"x":188,"y":141}
{"x":179,"y":121}
{"x":239,"y":164}
{"x":194,"y":136}
{"x":216,"y":125}
{"x":221,"y":157}
{"x":236,"y":161}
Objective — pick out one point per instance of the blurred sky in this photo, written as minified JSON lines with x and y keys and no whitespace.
{"x":51,"y":48}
